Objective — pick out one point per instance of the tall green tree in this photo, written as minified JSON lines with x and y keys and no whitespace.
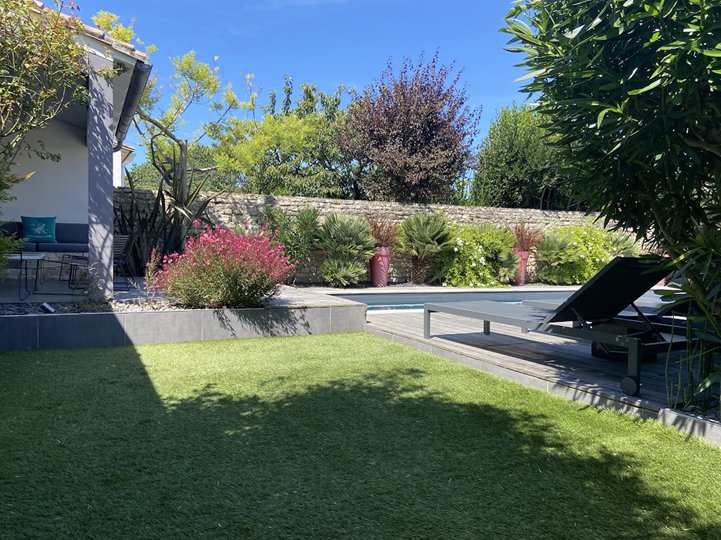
{"x":41,"y":74}
{"x":292,"y":149}
{"x":194,"y":83}
{"x":631,"y":89}
{"x":202,"y":167}
{"x":414,"y":131}
{"x":519,"y":166}
{"x":160,"y":124}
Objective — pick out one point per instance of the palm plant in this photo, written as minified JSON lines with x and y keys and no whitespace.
{"x":348,"y":244}
{"x":298,"y":233}
{"x":423,"y":236}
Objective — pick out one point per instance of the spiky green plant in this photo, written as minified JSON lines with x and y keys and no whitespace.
{"x":342,"y":272}
{"x":297,"y":233}
{"x":348,"y":244}
{"x":423,"y":236}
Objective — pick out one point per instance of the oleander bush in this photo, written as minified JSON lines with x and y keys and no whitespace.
{"x":225,"y":269}
{"x":480,"y":256}
{"x":348,"y":244}
{"x":573,"y":254}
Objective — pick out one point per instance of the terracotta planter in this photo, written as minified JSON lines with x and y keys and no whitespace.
{"x":522,"y":266}
{"x":380,"y":264}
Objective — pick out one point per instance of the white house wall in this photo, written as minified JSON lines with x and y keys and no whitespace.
{"x":57,"y":188}
{"x":118,"y":168}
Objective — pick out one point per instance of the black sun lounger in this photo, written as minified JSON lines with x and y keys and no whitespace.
{"x":593,"y":311}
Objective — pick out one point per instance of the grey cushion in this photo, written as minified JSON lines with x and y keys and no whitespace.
{"x":72,"y":233}
{"x":30,"y":246}
{"x":63,"y":247}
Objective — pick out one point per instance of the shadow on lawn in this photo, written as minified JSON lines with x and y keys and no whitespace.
{"x":98,"y":454}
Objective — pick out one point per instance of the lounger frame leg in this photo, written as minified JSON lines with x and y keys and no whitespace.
{"x":426,"y":324}
{"x":631,"y":384}
{"x":487,"y":327}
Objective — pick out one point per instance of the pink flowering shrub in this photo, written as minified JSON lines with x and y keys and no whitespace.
{"x":222,"y":268}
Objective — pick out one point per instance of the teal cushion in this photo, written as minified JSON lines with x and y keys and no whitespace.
{"x":39,"y":229}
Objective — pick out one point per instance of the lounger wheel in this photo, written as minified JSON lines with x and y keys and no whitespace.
{"x":630,"y":386}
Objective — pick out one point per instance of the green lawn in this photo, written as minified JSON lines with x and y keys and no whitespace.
{"x":340,"y":436}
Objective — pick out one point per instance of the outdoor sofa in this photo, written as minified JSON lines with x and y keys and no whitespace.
{"x":70,"y":238}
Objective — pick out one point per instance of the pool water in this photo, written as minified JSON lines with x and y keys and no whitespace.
{"x":414,"y":300}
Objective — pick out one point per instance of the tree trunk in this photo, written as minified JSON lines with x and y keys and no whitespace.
{"x":419,"y":270}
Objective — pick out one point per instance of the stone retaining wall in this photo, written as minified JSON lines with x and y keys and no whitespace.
{"x":234,"y":209}
{"x":239,"y":209}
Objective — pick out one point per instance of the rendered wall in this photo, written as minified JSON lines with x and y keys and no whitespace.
{"x":57,"y":188}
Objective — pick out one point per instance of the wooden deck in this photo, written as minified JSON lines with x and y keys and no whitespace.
{"x":553,"y":364}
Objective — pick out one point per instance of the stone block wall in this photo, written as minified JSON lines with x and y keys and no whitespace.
{"x":239,"y":209}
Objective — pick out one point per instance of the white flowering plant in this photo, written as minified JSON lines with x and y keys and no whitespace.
{"x":479,"y":256}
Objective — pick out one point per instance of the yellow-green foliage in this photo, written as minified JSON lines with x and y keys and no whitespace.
{"x":109,"y":22}
{"x":573,"y":254}
{"x":290,"y":151}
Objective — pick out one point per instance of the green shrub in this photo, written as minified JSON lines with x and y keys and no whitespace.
{"x":573,"y":254}
{"x":482,"y":256}
{"x":297,"y":233}
{"x":8,"y":245}
{"x":342,"y":272}
{"x":348,"y":244}
{"x":423,"y":236}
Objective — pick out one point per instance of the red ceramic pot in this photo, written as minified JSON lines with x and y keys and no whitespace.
{"x":380,"y":264}
{"x":522,"y":266}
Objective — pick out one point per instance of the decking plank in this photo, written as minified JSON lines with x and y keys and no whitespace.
{"x":552,"y":358}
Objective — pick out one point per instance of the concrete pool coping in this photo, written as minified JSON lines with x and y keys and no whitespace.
{"x":403,"y":289}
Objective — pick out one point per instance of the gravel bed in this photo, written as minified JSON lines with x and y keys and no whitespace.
{"x":87,"y":306}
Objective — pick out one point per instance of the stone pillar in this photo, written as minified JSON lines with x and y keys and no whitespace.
{"x":100,"y":178}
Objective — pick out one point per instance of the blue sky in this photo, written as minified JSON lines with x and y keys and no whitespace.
{"x":328,"y":42}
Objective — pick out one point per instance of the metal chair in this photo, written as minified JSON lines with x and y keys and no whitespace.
{"x":15,"y":262}
{"x":121,"y":243}
{"x":120,"y":264}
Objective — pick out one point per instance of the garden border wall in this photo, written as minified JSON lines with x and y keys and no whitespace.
{"x":241,"y":209}
{"x":238,"y":209}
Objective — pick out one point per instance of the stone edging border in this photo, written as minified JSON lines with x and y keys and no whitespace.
{"x":76,"y":330}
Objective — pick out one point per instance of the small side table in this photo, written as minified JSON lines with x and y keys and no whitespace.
{"x":25,"y":259}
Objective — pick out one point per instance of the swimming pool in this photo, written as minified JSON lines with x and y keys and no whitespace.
{"x":378,"y":301}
